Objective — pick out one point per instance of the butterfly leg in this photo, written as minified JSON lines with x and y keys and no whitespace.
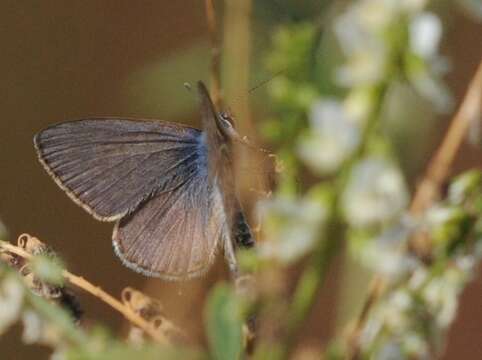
{"x":230,"y":256}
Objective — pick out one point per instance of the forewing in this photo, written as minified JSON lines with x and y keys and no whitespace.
{"x":174,"y":235}
{"x":111,"y":166}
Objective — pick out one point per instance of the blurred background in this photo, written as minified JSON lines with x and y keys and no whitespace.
{"x":67,"y":60}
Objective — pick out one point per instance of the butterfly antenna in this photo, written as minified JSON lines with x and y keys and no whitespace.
{"x":265,"y":81}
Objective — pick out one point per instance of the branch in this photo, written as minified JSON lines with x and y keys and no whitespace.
{"x":215,"y":53}
{"x":440,"y":165}
{"x":97,"y":292}
{"x":427,"y":192}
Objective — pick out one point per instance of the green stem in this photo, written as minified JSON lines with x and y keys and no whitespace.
{"x":314,"y":274}
{"x":312,"y":280}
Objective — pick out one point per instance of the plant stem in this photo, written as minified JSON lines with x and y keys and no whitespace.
{"x":215,"y":53}
{"x":441,"y":163}
{"x":427,"y":192}
{"x":314,"y":274}
{"x":96,"y":291}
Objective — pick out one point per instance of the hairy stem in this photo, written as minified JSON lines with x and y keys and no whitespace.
{"x":96,"y":291}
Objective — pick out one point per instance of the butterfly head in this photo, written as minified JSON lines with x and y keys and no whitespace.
{"x":226,"y":126}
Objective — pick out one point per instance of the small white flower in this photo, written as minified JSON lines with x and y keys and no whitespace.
{"x":390,"y":350}
{"x":292,"y":227}
{"x":360,"y":33}
{"x":37,"y":330}
{"x":333,"y":137}
{"x":376,"y":192}
{"x":363,"y":68}
{"x":371,"y":330}
{"x":358,"y":104}
{"x":394,"y":318}
{"x":418,"y":279}
{"x":433,"y":89}
{"x":383,"y":254}
{"x":350,"y":32}
{"x":466,"y":263}
{"x":388,"y":261}
{"x":401,"y":300}
{"x":441,"y":296}
{"x":425,"y":33}
{"x":377,"y":14}
{"x":438,"y":215}
{"x":32,"y":327}
{"x":11,"y":300}
{"x":415,"y":346}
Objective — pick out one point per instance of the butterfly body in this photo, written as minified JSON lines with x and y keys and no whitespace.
{"x":169,"y":188}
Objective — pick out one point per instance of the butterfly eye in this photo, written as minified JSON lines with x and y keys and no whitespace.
{"x":226,"y":120}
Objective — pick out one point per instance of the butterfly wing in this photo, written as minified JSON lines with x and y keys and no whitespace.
{"x":176,"y":234}
{"x":111,"y":166}
{"x":219,"y":149}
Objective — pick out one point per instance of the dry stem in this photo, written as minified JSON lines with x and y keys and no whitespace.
{"x":215,"y":53}
{"x":97,"y":292}
{"x":427,"y":191}
{"x":439,"y":167}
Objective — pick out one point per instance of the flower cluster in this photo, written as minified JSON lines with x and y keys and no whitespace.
{"x":413,"y":316}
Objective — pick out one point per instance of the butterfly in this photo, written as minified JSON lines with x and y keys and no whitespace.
{"x":169,"y":188}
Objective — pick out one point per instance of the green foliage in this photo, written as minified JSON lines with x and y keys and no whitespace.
{"x":331,"y":128}
{"x":339,"y":180}
{"x":291,"y":91}
{"x":11,"y":298}
{"x":120,"y":351}
{"x":292,"y":51}
{"x":466,"y":187}
{"x":457,"y":222}
{"x":46,"y":323}
{"x":224,"y":323}
{"x":428,"y":290}
{"x":17,"y":300}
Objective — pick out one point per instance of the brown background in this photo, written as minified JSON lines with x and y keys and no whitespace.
{"x":63,"y":60}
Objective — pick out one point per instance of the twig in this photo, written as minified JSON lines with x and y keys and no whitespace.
{"x":97,"y":292}
{"x":376,"y":289}
{"x":427,"y":191}
{"x":441,"y":163}
{"x":215,"y":53}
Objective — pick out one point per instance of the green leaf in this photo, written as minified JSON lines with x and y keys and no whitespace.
{"x":223,"y":322}
{"x":248,"y":260}
{"x":292,"y":50}
{"x":120,"y":351}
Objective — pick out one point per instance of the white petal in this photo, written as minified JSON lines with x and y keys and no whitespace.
{"x":425,"y":34}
